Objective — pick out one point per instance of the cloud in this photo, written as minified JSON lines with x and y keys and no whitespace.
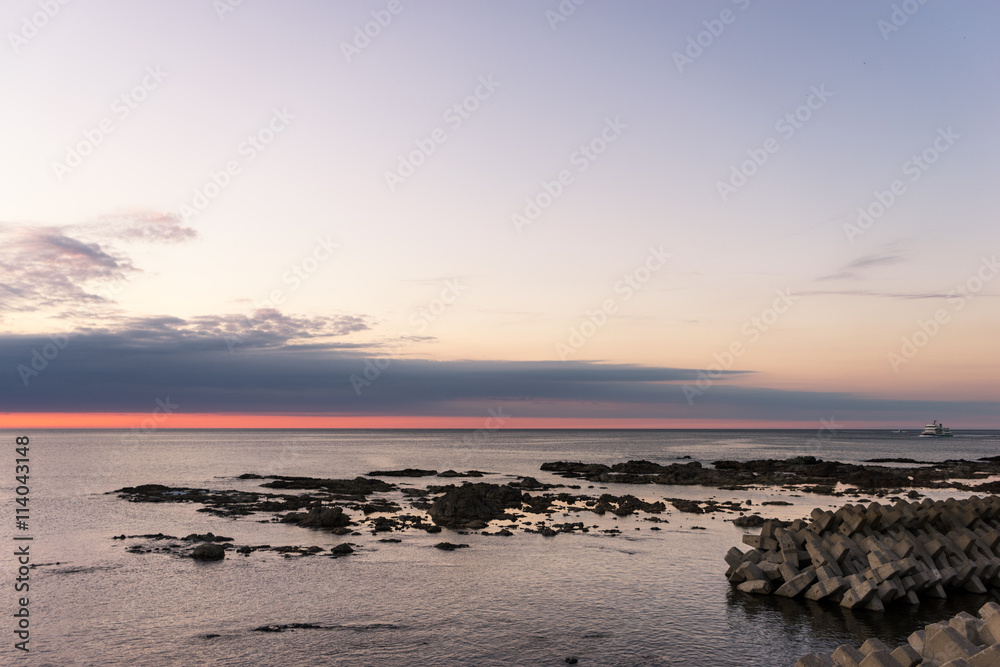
{"x":309,"y":366}
{"x":856,"y":267}
{"x":138,"y":227}
{"x":295,"y":365}
{"x":875,"y":293}
{"x":61,"y":267}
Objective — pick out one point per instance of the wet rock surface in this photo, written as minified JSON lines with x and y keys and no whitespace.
{"x":807,"y":470}
{"x":461,"y":505}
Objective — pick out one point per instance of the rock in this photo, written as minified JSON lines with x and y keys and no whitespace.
{"x":448,"y":546}
{"x":342,"y":549}
{"x":208,"y":551}
{"x":461,"y":505}
{"x":207,"y":537}
{"x":325,"y":517}
{"x":407,"y":472}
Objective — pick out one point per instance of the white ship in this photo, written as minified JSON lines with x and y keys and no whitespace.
{"x":936,"y":430}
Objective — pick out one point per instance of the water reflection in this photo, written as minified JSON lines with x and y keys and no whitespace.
{"x":809,"y":626}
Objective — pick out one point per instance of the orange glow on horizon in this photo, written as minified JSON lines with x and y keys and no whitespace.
{"x":73,"y":420}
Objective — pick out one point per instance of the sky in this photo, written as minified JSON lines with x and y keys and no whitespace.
{"x":427,"y":213}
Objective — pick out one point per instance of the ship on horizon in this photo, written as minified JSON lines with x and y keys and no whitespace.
{"x":936,"y":430}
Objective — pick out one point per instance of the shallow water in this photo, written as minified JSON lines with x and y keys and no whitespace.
{"x":641,"y":598}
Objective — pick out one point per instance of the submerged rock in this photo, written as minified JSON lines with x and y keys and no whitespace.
{"x":448,"y":546}
{"x":406,"y":472}
{"x":208,"y":551}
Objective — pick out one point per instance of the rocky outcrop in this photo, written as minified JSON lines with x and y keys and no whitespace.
{"x":208,"y":551}
{"x":320,"y":517}
{"x":406,"y":472}
{"x":481,"y":502}
{"x":799,"y":470}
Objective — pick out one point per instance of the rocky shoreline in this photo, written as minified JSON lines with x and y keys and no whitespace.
{"x":807,"y":472}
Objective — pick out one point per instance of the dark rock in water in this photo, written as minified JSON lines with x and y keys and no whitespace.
{"x":639,"y":467}
{"x":288,"y":626}
{"x":359,"y":487}
{"x":528,"y":483}
{"x":571,"y":660}
{"x":406,"y":472}
{"x":384,"y":524}
{"x":469,"y":473}
{"x":211,"y":635}
{"x":625,"y":505}
{"x":448,"y":546}
{"x":208,"y":551}
{"x":575,"y":469}
{"x":988,"y":487}
{"x":391,"y":540}
{"x":432,"y":529}
{"x":461,"y":505}
{"x":207,"y":537}
{"x":690,"y":506}
{"x":342,"y":549}
{"x":752,"y":521}
{"x":249,"y":475}
{"x":321,"y":517}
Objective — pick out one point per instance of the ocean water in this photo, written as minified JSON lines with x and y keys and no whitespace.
{"x":641,"y":598}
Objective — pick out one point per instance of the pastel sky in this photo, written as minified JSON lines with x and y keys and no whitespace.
{"x":428,"y":213}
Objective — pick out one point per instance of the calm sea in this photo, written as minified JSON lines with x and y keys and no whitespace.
{"x":642,"y":598}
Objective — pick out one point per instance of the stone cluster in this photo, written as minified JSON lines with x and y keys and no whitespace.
{"x":963,"y":641}
{"x":870,"y":557}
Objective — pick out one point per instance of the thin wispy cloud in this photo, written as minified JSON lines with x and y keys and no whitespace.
{"x":857,"y":267}
{"x":62,"y":268}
